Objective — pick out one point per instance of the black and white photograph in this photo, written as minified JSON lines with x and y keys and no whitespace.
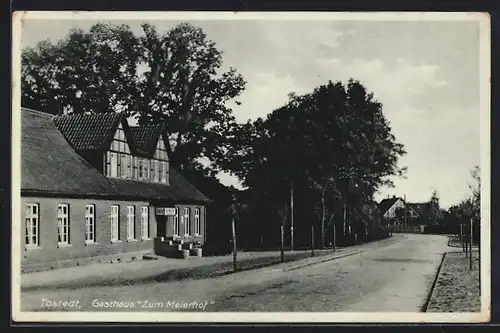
{"x":251,"y":167}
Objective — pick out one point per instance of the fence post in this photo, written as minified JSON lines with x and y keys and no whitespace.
{"x":461,"y":236}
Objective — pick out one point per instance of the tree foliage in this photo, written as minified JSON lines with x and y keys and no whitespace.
{"x":335,"y":143}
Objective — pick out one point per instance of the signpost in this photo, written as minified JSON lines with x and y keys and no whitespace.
{"x":170,"y":211}
{"x":162,"y":211}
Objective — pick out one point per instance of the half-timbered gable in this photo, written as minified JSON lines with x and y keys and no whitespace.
{"x":153,"y":162}
{"x":118,"y":159}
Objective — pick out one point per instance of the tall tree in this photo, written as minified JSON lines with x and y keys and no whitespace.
{"x":335,"y":139}
{"x":184,"y":87}
{"x":173,"y":78}
{"x":87,"y":71}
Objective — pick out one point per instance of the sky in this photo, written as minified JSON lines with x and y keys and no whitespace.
{"x":425,"y":73}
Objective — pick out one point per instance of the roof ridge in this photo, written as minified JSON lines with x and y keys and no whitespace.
{"x":69,"y":115}
{"x":41,"y":113}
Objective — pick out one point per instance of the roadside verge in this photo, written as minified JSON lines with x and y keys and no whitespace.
{"x":457,"y":288}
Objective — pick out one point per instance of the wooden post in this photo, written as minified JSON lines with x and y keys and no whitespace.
{"x":291,"y":216}
{"x":344,"y":226}
{"x":470,"y":254}
{"x":234,"y":244}
{"x":312,"y":241}
{"x":334,"y":237}
{"x":461,"y":236}
{"x":282,"y":248}
{"x":406,"y":221}
{"x":464,"y":238}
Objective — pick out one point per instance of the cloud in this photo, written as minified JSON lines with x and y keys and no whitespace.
{"x":435,"y":160}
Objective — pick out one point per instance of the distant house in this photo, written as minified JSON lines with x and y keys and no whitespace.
{"x":388,"y":209}
{"x":93,"y":187}
{"x":427,"y":212}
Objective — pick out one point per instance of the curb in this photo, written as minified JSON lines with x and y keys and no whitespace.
{"x":433,"y":286}
{"x":315,"y":262}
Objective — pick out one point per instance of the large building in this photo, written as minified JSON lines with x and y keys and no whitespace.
{"x":94,"y":188}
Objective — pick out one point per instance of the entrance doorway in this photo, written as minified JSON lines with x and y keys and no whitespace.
{"x":161,"y":227}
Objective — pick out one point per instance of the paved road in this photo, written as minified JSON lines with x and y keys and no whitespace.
{"x":394,"y":277}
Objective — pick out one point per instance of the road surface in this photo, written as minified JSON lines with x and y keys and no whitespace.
{"x":395,"y":277}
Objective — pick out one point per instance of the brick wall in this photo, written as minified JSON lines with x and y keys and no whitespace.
{"x":49,"y":250}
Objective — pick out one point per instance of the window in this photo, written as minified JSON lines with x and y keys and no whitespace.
{"x":114,"y":165}
{"x":140,"y":168}
{"x":115,"y":223}
{"x":136,"y":173}
{"x":130,"y":222}
{"x":124,"y":165}
{"x":32,"y":219}
{"x":197,"y":224}
{"x":145,"y":222}
{"x":89,"y":224}
{"x":156,"y":170}
{"x":176,"y":222}
{"x":187,"y":222}
{"x":130,"y":168}
{"x":160,"y":173}
{"x":107,"y":164}
{"x":146,"y":169}
{"x":164,"y":172}
{"x":63,"y":224}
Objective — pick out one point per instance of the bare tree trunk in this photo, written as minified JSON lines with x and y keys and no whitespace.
{"x":312,"y":240}
{"x":323,"y":217}
{"x":470,"y":255}
{"x":234,"y":244}
{"x":344,"y":222}
{"x":282,"y":248}
{"x":334,"y":237}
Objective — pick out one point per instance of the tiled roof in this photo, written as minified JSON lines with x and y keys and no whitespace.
{"x":50,"y":165}
{"x":145,"y":137}
{"x":88,"y":131}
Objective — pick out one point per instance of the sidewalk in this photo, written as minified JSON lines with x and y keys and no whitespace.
{"x":168,"y":269}
{"x":162,"y":269}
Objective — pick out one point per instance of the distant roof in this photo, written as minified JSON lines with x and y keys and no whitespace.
{"x":425,"y":209}
{"x":145,"y":137}
{"x":51,"y":165}
{"x":385,"y":204}
{"x":88,"y":131}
